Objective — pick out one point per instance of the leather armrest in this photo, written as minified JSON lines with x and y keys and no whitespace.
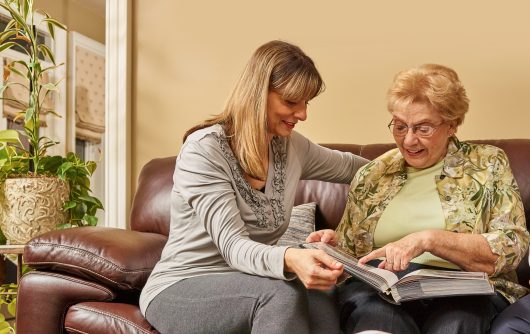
{"x":121,"y":259}
{"x":44,"y":299}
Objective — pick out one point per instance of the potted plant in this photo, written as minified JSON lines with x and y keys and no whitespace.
{"x":38,"y":176}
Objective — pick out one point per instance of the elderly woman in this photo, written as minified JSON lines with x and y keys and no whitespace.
{"x":432,"y":202}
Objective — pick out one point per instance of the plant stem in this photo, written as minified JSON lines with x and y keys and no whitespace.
{"x":34,"y":98}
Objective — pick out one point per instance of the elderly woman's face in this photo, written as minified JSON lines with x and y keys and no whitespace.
{"x":421,"y":151}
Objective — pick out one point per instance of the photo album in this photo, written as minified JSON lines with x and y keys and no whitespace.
{"x":419,"y":284}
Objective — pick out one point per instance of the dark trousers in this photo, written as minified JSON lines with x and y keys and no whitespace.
{"x":361,"y":308}
{"x":241,"y":303}
{"x":514,"y":320}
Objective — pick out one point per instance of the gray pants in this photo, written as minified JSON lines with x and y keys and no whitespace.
{"x":241,"y":303}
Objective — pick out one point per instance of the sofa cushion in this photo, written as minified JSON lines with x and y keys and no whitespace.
{"x":330,"y":198}
{"x":301,"y":224}
{"x":99,"y":317}
{"x":118,"y":258}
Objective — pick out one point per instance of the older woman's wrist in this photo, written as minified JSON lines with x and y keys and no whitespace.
{"x":429,"y":239}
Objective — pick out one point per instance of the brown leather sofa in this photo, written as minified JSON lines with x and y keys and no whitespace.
{"x":87,"y":280}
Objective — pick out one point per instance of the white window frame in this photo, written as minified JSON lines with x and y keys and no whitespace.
{"x":117,"y":113}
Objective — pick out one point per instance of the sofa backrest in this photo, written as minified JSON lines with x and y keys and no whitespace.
{"x":150,"y":210}
{"x":151,"y":205}
{"x":331,"y":197}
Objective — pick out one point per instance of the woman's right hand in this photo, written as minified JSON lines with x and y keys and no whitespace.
{"x":316,"y":269}
{"x":327,"y":236}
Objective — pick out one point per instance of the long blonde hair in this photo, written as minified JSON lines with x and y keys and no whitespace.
{"x":278,"y":66}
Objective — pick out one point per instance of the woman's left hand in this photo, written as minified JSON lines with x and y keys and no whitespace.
{"x":397,"y":255}
{"x":315,"y":269}
{"x":327,"y":236}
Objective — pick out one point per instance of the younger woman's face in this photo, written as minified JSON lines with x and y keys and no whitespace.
{"x":282,"y":115}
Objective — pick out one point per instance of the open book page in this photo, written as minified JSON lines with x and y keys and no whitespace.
{"x":418,"y":284}
{"x":378,"y":278}
{"x":428,"y":283}
{"x":447,"y":274}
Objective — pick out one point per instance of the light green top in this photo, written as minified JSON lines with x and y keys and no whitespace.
{"x":415,"y":208}
{"x":478,"y":194}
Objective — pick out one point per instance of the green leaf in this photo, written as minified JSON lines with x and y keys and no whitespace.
{"x":50,"y":86}
{"x":20,"y":62}
{"x":91,"y":220}
{"x":16,"y":16}
{"x":5,"y":328}
{"x":29,"y":114}
{"x":11,"y":24}
{"x":71,"y":156}
{"x":4,"y":87}
{"x":65,"y":166}
{"x":69,"y":205}
{"x":89,"y":199}
{"x":7,"y":45}
{"x":45,"y":50}
{"x":51,"y":67}
{"x":6,"y":34}
{"x":51,"y":30}
{"x":53,"y":112}
{"x":12,"y":307}
{"x":91,"y":167}
{"x":18,"y":117}
{"x":15,"y":70}
{"x":55,"y":23}
{"x":6,"y":7}
{"x":26,"y":9}
{"x":9,"y":136}
{"x":51,"y":163}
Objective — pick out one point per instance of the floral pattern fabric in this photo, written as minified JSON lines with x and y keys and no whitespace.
{"x":269,"y":212}
{"x":478,"y":194}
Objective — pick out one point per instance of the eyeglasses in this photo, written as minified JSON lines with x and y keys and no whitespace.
{"x":421,"y":130}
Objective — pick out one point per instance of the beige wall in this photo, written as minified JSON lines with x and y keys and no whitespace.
{"x":76,"y":16}
{"x":188,"y":54}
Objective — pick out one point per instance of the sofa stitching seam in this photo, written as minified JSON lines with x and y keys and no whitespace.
{"x":73,"y":279}
{"x":75,"y":330}
{"x":73,"y":249}
{"x":84,"y":269}
{"x":86,"y":308}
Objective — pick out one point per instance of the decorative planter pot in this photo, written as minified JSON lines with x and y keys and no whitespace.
{"x":32,"y":206}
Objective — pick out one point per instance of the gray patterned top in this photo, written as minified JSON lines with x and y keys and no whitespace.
{"x":220,"y":224}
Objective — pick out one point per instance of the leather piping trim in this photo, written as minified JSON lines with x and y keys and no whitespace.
{"x":73,"y":279}
{"x":73,"y":330}
{"x":126,"y":321}
{"x":90,"y":254}
{"x":118,"y":284}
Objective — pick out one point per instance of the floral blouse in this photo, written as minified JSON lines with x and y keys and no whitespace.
{"x":478,"y":194}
